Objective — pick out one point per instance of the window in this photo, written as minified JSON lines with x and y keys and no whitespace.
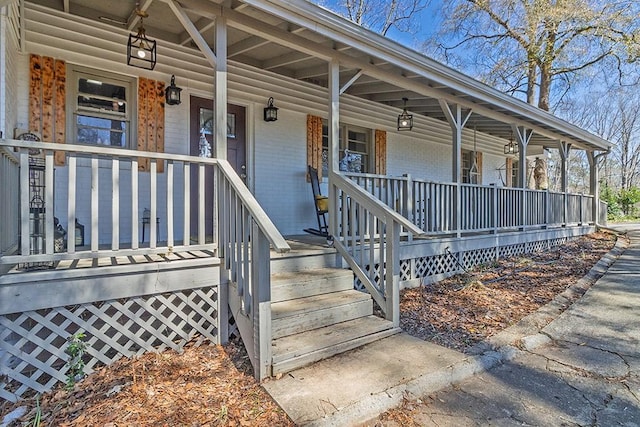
{"x":357,"y":142}
{"x":102,"y":108}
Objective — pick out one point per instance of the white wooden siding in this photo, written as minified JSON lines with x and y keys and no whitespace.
{"x":9,"y":66}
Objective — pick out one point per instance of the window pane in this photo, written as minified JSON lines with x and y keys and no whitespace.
{"x":95,"y":130}
{"x":96,"y":94}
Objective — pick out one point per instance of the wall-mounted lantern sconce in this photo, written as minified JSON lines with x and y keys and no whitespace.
{"x":405,"y":120}
{"x":141,"y":51}
{"x":270,"y":112}
{"x":172,"y":93}
{"x":511,"y":147}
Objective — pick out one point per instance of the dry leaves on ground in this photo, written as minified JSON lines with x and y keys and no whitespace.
{"x":465,"y":309}
{"x":210,"y":385}
{"x":200,"y":387}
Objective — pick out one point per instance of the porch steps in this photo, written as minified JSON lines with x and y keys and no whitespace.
{"x":317,"y":314}
{"x":295,"y":351}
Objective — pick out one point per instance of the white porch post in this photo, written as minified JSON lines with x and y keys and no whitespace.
{"x":594,"y":182}
{"x":334,"y":140}
{"x":523,"y":136}
{"x":457,"y":119}
{"x":564,"y":148}
{"x":3,"y":65}
{"x":220,"y":99}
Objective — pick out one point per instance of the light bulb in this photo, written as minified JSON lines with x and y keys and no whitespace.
{"x":141,"y":53}
{"x":404,"y":123}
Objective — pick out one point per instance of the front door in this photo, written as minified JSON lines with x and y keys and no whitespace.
{"x":201,"y":124}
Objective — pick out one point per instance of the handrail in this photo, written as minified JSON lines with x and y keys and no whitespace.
{"x":259,"y":215}
{"x":376,"y":206}
{"x":446,"y":208}
{"x":10,"y":154}
{"x":361,"y":224}
{"x":104,"y":151}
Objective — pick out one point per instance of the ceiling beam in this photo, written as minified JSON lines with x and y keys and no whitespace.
{"x":255,"y":42}
{"x":458,"y":85}
{"x":202,"y":25}
{"x":287,"y":59}
{"x":193,"y":32}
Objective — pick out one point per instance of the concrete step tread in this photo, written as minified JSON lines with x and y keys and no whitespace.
{"x":313,"y":303}
{"x":293,"y":346}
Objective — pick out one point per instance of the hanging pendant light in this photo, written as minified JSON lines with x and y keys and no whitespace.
{"x":511,"y":147}
{"x":405,"y":120}
{"x":141,"y":51}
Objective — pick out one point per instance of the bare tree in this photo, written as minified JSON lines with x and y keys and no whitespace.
{"x":525,"y":46}
{"x":382,"y":15}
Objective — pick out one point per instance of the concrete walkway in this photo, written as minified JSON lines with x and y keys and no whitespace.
{"x":580,"y":369}
{"x":583,"y":369}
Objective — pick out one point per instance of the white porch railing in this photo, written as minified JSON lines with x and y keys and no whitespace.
{"x":367,"y":235}
{"x":246,"y":233}
{"x":105,"y":186}
{"x":432,"y":206}
{"x":9,"y":201}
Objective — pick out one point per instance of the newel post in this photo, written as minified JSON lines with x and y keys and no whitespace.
{"x":261,"y":301}
{"x":392,"y":272}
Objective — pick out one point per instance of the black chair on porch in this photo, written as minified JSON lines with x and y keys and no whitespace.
{"x":321,"y":203}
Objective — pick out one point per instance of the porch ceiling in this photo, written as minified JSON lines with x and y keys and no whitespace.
{"x":296,"y":39}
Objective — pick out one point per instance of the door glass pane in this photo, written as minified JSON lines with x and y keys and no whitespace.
{"x":206,"y":121}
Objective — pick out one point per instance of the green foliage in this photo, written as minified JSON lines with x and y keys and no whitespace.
{"x":37,"y":418}
{"x":621,"y":204}
{"x":628,"y":199}
{"x":76,"y":350}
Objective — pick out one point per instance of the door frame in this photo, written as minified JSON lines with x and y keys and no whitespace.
{"x":249,"y":132}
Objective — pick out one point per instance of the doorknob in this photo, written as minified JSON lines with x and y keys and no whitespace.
{"x":243,"y":175}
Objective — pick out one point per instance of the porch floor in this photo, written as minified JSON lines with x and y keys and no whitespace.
{"x":301,"y":245}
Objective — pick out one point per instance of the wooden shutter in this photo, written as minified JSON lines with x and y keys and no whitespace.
{"x":314,"y":143}
{"x":150,"y":120}
{"x":509,"y":172}
{"x":380,"y":151}
{"x":47,"y":92}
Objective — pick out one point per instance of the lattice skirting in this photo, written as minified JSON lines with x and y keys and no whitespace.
{"x":32,"y":344}
{"x":447,"y":264}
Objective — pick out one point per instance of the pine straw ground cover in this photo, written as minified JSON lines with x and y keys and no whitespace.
{"x":204,"y":386}
{"x":210,"y":385}
{"x":463,"y":310}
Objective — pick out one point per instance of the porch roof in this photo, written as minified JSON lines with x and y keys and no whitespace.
{"x":296,"y":38}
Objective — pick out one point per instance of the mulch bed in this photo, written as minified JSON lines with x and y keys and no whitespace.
{"x":211,"y":385}
{"x":204,"y":386}
{"x":463,"y":310}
